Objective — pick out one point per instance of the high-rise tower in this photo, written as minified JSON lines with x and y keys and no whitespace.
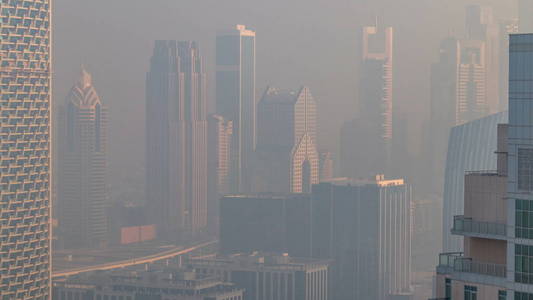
{"x":235,"y":98}
{"x":25,"y":99}
{"x":176,"y":129}
{"x":366,"y":141}
{"x":286,"y":159}
{"x":82,"y":186}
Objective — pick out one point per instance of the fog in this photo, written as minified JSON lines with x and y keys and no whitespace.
{"x":311,"y":42}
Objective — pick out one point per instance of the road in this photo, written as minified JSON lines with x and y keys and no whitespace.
{"x":135,"y":261}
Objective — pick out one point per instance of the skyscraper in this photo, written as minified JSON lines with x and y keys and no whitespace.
{"x":471,"y":147}
{"x":374,"y":124}
{"x":286,"y":158}
{"x":365,"y":227}
{"x":218,"y":165}
{"x":82,"y":188}
{"x":235,"y":98}
{"x":176,"y":129}
{"x":25,"y":55}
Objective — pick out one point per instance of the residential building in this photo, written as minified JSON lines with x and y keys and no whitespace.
{"x":83,"y":196}
{"x":235,"y":98}
{"x":176,"y":140}
{"x":269,"y":277}
{"x":374,"y":125}
{"x":154,"y":283}
{"x":365,"y":228}
{"x":220,"y":133}
{"x":25,"y":149}
{"x":286,"y":158}
{"x":471,"y":147}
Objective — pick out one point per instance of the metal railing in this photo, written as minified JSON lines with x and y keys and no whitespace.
{"x":458,"y":263}
{"x":467,"y":265}
{"x":462,"y":224}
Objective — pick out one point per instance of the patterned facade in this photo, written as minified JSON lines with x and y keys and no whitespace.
{"x":176,"y":127}
{"x":83,"y":196}
{"x":25,"y":92}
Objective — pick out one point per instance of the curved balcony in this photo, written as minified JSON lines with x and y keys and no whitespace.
{"x":468,"y":227}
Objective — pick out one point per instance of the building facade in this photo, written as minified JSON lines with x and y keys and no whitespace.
{"x":266,"y":223}
{"x":471,"y":147}
{"x":83,"y":198}
{"x":365,"y":228}
{"x":154,"y":283}
{"x":25,"y":145}
{"x":176,"y":139}
{"x":235,"y":98}
{"x":270,"y":277}
{"x":374,"y":124}
{"x":286,"y":158}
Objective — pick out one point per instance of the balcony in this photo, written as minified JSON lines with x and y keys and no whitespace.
{"x":457,"y":263}
{"x":468,"y":227}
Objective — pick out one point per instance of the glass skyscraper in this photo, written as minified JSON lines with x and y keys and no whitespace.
{"x":25,"y":92}
{"x":235,"y":98}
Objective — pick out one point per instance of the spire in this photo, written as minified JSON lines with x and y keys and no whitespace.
{"x":85,"y":79}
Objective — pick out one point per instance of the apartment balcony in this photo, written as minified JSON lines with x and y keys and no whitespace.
{"x":450,"y":263}
{"x":468,"y":227}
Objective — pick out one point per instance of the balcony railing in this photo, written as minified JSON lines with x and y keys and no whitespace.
{"x":464,"y":225}
{"x":458,"y":263}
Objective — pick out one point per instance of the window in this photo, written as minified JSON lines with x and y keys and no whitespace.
{"x":524,"y":264}
{"x":502,"y":295}
{"x":448,"y":289}
{"x":525,"y":169}
{"x":470,"y":292}
{"x":523,"y":296}
{"x":524,"y":219}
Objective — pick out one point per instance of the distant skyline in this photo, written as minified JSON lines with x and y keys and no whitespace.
{"x":309,"y":32}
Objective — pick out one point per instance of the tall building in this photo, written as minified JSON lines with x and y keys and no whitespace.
{"x":218,"y":165}
{"x":520,"y":179}
{"x":156,"y":282}
{"x":83,"y":198}
{"x":176,"y":130}
{"x":326,"y":166}
{"x":507,"y":27}
{"x":286,"y":159}
{"x":235,"y":98}
{"x":25,"y":99}
{"x":374,"y":124}
{"x":365,"y":227}
{"x":269,"y":277}
{"x":471,"y":147}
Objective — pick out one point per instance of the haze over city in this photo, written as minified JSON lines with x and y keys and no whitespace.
{"x":266,"y":149}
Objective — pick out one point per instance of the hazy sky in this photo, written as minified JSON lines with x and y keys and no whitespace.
{"x":311,"y":42}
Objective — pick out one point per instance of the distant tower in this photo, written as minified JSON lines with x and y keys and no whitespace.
{"x":286,"y":159}
{"x":83,"y":193}
{"x":176,"y":129}
{"x":326,"y":166}
{"x":235,"y":98}
{"x":25,"y":149}
{"x":367,"y":140}
{"x":218,"y":164}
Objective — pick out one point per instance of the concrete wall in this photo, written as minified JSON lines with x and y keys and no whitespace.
{"x":484,"y":198}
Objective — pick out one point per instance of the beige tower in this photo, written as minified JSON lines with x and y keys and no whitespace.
{"x":82,"y":186}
